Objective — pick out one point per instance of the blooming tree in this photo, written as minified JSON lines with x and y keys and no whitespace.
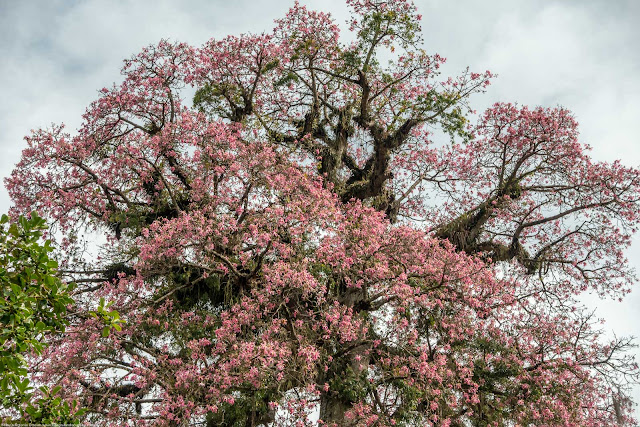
{"x":294,"y":248}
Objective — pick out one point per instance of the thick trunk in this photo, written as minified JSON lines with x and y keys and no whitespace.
{"x":348,"y":385}
{"x":332,"y":410}
{"x":347,"y":373}
{"x":335,"y":403}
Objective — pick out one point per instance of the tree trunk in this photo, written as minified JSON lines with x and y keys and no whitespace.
{"x":332,"y":410}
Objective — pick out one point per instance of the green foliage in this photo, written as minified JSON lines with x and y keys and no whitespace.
{"x":350,"y":385}
{"x":212,"y":98}
{"x":49,"y":408}
{"x":110,"y":318}
{"x":290,"y":77}
{"x":246,"y":410}
{"x":33,"y":304}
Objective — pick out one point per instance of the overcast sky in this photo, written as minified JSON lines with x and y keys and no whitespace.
{"x":582,"y":54}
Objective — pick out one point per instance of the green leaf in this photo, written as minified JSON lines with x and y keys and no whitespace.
{"x":40,"y":326}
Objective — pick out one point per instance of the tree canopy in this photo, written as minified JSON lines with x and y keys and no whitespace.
{"x":294,"y":245}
